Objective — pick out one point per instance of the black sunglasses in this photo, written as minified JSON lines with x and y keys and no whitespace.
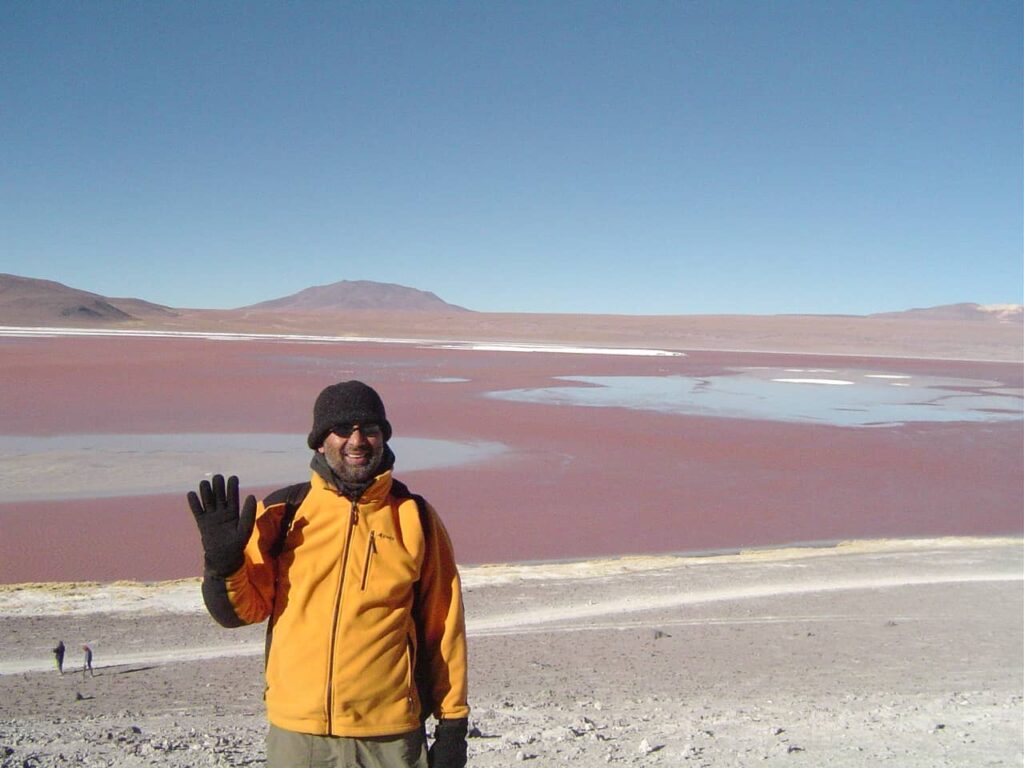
{"x":345,"y":431}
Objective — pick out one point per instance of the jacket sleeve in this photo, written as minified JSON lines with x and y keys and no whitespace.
{"x":441,"y":627}
{"x":247,"y":595}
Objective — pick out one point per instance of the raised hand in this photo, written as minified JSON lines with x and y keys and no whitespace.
{"x":222,"y":527}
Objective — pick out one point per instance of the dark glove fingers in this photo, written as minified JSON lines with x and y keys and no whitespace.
{"x":219,"y":494}
{"x":232,"y":497}
{"x":206,"y":495}
{"x":195,"y":505}
{"x":247,"y":519}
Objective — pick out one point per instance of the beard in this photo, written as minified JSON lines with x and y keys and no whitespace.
{"x":355,"y":467}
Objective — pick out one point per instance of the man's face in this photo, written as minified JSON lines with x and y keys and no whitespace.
{"x":354,"y":456}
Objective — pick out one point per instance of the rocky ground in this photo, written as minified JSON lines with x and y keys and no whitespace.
{"x":901,"y":654}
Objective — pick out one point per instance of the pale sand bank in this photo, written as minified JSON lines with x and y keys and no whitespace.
{"x":907,"y":653}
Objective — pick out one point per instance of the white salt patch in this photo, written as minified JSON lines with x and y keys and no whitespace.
{"x":75,"y":599}
{"x":489,"y":347}
{"x":885,"y":376}
{"x":830,"y":382}
{"x":18,"y":331}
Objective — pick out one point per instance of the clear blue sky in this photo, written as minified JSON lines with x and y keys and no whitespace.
{"x":635,"y":158}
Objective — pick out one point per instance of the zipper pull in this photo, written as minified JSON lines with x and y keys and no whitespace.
{"x":355,"y":513}
{"x":371,"y":553}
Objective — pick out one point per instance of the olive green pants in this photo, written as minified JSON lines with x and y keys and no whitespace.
{"x":287,"y":749}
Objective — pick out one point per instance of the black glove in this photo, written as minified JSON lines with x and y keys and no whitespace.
{"x":449,"y":747}
{"x":223,"y":530}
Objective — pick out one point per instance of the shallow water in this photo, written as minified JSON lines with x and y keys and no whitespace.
{"x":93,"y":466}
{"x":847,"y":398}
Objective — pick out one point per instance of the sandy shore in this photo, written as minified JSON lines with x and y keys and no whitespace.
{"x":903,"y":653}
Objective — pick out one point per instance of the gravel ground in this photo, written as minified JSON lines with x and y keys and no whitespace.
{"x":907,"y":654}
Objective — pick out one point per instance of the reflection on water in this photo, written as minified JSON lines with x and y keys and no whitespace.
{"x":93,"y":466}
{"x":849,"y":398}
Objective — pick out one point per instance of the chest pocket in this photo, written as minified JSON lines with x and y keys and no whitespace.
{"x":387,"y":571}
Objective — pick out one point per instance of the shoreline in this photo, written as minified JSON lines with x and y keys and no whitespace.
{"x":584,"y":567}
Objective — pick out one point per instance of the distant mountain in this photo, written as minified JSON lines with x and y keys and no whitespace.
{"x":1004,"y":313}
{"x":358,"y":294}
{"x":27,"y":301}
{"x":31,"y":301}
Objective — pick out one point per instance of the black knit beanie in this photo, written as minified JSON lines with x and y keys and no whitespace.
{"x":350,"y":402}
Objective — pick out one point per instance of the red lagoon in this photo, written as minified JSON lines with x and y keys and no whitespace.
{"x":573,"y":481}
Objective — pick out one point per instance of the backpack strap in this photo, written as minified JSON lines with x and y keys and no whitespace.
{"x":401,"y":490}
{"x":422,"y":673}
{"x":292,"y":498}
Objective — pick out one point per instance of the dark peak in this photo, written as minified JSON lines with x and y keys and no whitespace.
{"x":97,"y":310}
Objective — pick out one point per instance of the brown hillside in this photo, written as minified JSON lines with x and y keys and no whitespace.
{"x":1004,"y":313}
{"x":358,"y":294}
{"x":26,"y":301}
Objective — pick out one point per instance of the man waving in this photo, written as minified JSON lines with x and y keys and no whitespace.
{"x":357,"y":579}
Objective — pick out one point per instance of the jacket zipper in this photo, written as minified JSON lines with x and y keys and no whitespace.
{"x":352,"y":521}
{"x":371,"y":550}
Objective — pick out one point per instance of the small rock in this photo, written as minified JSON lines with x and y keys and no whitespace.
{"x":645,"y":747}
{"x":583,"y":725}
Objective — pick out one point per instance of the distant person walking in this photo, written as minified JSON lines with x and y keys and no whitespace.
{"x":58,"y":655}
{"x":87,"y":666}
{"x":357,"y":577}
